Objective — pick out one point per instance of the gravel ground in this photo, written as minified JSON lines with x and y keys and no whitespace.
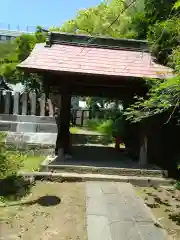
{"x":52,"y":211}
{"x":164,"y":202}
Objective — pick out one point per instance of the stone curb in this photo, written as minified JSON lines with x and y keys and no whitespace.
{"x":107,"y":170}
{"x":61,"y":177}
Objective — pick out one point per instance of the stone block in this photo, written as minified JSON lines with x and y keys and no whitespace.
{"x":5,"y":126}
{"x":7,"y":102}
{"x":32,"y":97}
{"x":50,"y":128}
{"x":98,"y":228}
{"x":119,"y":212}
{"x":31,"y":138}
{"x":26,"y":127}
{"x":13,"y":127}
{"x":92,"y":190}
{"x":7,"y":117}
{"x":27,"y":118}
{"x":42,"y":138}
{"x":24,"y":103}
{"x":35,"y":119}
{"x":109,"y":188}
{"x":125,"y":231}
{"x":151,"y":232}
{"x":16,"y":103}
{"x":96,"y":206}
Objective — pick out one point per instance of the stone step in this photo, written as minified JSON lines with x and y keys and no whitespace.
{"x":103,"y":170}
{"x":61,"y":177}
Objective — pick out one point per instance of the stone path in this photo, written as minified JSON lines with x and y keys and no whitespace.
{"x":114,"y":212}
{"x":88,"y":132}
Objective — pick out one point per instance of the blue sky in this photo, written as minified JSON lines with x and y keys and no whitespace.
{"x":46,"y":13}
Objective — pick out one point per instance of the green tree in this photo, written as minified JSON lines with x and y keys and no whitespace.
{"x":17,"y":51}
{"x":164,"y":95}
{"x":158,"y":10}
{"x":97,"y":21}
{"x":6,"y":49}
{"x":163,"y":38}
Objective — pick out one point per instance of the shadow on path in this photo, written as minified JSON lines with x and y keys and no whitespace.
{"x":100,"y":156}
{"x":45,"y":201}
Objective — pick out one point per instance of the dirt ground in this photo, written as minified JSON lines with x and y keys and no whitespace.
{"x":51,"y":211}
{"x":165,"y":205}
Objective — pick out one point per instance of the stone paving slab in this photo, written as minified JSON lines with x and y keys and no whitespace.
{"x":114,"y":212}
{"x":98,"y":228}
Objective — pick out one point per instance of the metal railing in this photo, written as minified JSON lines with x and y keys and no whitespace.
{"x":18,"y":28}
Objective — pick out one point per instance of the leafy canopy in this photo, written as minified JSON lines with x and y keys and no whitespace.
{"x":16,"y":51}
{"x":163,"y":36}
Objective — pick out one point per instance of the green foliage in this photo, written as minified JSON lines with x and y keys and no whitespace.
{"x":6,"y":49}
{"x":25,"y":44}
{"x":158,"y":10}
{"x":177,"y":5}
{"x":177,"y":185}
{"x":163,"y":38}
{"x":8,"y":59}
{"x":139,"y":25}
{"x":14,"y":52}
{"x":101,"y":126}
{"x":97,"y":21}
{"x":8,"y":165}
{"x":13,"y":188}
{"x":162,"y":96}
{"x":93,"y":124}
{"x":109,"y":127}
{"x":105,"y":127}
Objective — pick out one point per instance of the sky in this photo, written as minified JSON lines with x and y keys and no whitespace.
{"x":46,"y":13}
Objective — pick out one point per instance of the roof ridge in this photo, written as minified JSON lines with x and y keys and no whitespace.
{"x":92,"y":41}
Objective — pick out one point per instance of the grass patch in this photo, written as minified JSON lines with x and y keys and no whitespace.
{"x":31,"y":163}
{"x":26,"y":162}
{"x":74,"y":130}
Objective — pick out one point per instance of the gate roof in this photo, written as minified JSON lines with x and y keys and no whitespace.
{"x":67,"y":53}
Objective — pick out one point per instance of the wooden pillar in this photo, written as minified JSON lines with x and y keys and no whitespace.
{"x":63,"y":137}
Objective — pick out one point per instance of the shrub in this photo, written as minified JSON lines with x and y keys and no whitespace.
{"x":9,"y":164}
{"x":14,"y":187}
{"x":93,"y":124}
{"x":105,"y":127}
{"x":177,"y":185}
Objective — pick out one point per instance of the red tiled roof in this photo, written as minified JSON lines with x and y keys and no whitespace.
{"x":92,"y":60}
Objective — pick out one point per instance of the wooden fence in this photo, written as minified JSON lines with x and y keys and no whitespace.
{"x":14,"y":103}
{"x":25,"y":104}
